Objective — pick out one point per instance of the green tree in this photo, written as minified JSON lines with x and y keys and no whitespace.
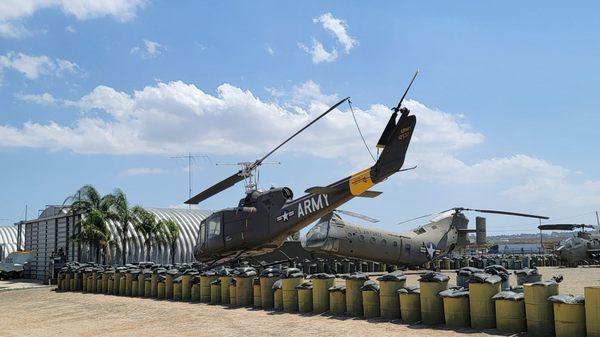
{"x":172,"y":235}
{"x":152,"y":229}
{"x":120,"y":212}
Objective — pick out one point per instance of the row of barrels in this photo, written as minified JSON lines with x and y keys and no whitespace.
{"x":482,"y":306}
{"x":512,"y":262}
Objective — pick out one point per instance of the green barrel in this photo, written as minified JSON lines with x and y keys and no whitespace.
{"x":592,"y":311}
{"x":160,"y":290}
{"x":186,"y":287}
{"x":305,"y":297}
{"x":538,"y":310}
{"x":154,"y":284}
{"x":128,"y":280}
{"x":337,"y":300}
{"x":117,"y":283}
{"x":177,"y":290}
{"x":84,"y":277}
{"x":169,"y":286}
{"x":205,"y":280}
{"x":290,"y":294}
{"x":456,"y":307}
{"x":510,"y":312}
{"x":110,"y":286}
{"x":569,"y":315}
{"x":389,"y":285}
{"x":196,"y":292}
{"x":141,"y":285}
{"x":134,"y":288}
{"x":94,"y":282}
{"x":410,"y":304}
{"x":122,"y":282}
{"x":147,"y":287}
{"x":354,"y":305}
{"x":483,"y":309}
{"x":232,"y":292}
{"x":257,"y":301}
{"x":215,"y":292}
{"x":225,"y":283}
{"x":321,"y":285}
{"x":432,"y":305}
{"x":277,"y":295}
{"x":244,"y":297}
{"x":105,"y":277}
{"x":99,"y":284}
{"x":370,"y":299}
{"x":266,"y":291}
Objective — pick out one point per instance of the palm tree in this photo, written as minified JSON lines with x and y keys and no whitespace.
{"x":120,"y":212}
{"x":151,"y":228}
{"x":172,"y":235}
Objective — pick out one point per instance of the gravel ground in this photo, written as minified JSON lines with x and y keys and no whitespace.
{"x":43,"y":312}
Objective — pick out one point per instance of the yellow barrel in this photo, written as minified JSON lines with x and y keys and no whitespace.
{"x":538,"y":310}
{"x":196,"y":293}
{"x":225,"y":283}
{"x":446,"y":264}
{"x":370,"y":299}
{"x":186,"y":287}
{"x":305,"y":297}
{"x":73,"y":282}
{"x":154,"y":285}
{"x":278,"y":299}
{"x":99,"y":284}
{"x":244,"y":297}
{"x":483,"y":309}
{"x":94,"y":282}
{"x":354,"y":305}
{"x":205,"y":280}
{"x":64,"y":280}
{"x":84,"y":277}
{"x":320,"y":292}
{"x":592,"y":311}
{"x":232,"y":292}
{"x":410,"y":305}
{"x":134,"y":288}
{"x":215,"y":292}
{"x":456,"y":307}
{"x":569,"y":315}
{"x":147,"y":287}
{"x":117,"y":283}
{"x":105,"y":278}
{"x":177,"y":291}
{"x":337,"y":300}
{"x":510,"y":312}
{"x":110,"y":285}
{"x":389,"y":285}
{"x":289,"y":293}
{"x":128,"y":280}
{"x":257,"y":303}
{"x":122,"y":282}
{"x":432,"y":305}
{"x":169,"y":286}
{"x":141,"y":285}
{"x":266,"y":292}
{"x":160,"y":290}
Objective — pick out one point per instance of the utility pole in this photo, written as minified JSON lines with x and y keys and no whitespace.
{"x":598,"y":221}
{"x":190,"y":157}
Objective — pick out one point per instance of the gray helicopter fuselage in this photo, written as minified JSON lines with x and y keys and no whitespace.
{"x":578,"y":249}
{"x":437,"y":238}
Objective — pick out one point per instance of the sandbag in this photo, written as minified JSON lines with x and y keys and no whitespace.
{"x":484,"y":278}
{"x":270,"y":272}
{"x":292,"y":273}
{"x":397,"y":275}
{"x":567,"y":299}
{"x":509,"y":295}
{"x":370,"y":285}
{"x":454,"y":292}
{"x":432,"y":276}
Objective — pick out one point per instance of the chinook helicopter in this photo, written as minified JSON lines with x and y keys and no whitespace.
{"x":583,"y":247}
{"x":264,"y":219}
{"x":446,"y":232}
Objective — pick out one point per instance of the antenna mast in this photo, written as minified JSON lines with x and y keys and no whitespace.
{"x":189,"y":158}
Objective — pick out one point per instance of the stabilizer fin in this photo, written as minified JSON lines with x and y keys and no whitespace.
{"x":369,"y":194}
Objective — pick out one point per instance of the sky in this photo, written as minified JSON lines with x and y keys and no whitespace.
{"x":107,"y":92}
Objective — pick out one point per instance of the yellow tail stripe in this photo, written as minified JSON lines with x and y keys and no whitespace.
{"x":360,"y":182}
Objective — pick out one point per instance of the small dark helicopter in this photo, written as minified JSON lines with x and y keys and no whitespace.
{"x":583,"y":247}
{"x":444,"y":233}
{"x":264,"y":219}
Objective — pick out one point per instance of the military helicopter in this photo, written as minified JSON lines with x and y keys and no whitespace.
{"x":264,"y":219}
{"x":583,"y":247}
{"x":440,"y":236}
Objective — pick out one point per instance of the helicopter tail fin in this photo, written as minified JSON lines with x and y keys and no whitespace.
{"x":397,"y":139}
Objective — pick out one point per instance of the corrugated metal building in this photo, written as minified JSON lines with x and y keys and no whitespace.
{"x":8,"y":240}
{"x":53,"y":230}
{"x":515,"y":248}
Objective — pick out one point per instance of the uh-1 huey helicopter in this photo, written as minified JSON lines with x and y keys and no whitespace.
{"x":446,"y":232}
{"x":583,"y":247}
{"x":264,"y":219}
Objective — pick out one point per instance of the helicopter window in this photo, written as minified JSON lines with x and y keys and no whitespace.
{"x":373,"y":240}
{"x":214,"y":226}
{"x":319,"y":232}
{"x":383,"y":242}
{"x":419,"y":230}
{"x":395,"y":244}
{"x":201,"y":234}
{"x":361,"y":237}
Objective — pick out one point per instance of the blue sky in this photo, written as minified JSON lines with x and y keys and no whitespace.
{"x":105,"y":92}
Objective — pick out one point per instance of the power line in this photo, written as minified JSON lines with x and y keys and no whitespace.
{"x":190,"y":157}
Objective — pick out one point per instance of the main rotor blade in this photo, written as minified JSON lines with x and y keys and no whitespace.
{"x":259,"y":161}
{"x":562,"y":227}
{"x":216,"y":188}
{"x":503,"y":213}
{"x":357,"y":215}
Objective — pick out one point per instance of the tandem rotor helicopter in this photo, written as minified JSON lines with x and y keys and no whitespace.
{"x":264,"y":219}
{"x":446,"y":232}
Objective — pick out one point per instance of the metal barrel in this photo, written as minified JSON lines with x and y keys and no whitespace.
{"x":177,"y":290}
{"x":305,"y":300}
{"x":592,"y":311}
{"x":266,"y":292}
{"x":432,"y":305}
{"x":134,"y":288}
{"x":354,"y":305}
{"x":289,"y":293}
{"x":370,"y":300}
{"x":257,"y":300}
{"x":244,"y":297}
{"x":456,"y":312}
{"x":196,"y":292}
{"x":84,"y":277}
{"x":169,"y":286}
{"x":160,"y":290}
{"x":320,"y":293}
{"x":128,"y":282}
{"x":122,"y":282}
{"x":410,"y":307}
{"x":141,"y":285}
{"x":278,"y":299}
{"x":337,"y":301}
{"x":225,"y":281}
{"x":117,"y":283}
{"x":94,"y":288}
{"x":147,"y":287}
{"x":186,"y":288}
{"x":105,"y":277}
{"x":154,"y":285}
{"x":99,"y":285}
{"x":569,"y":319}
{"x":205,"y":281}
{"x":232,"y":293}
{"x":538,"y":310}
{"x":483,"y":309}
{"x":510,"y":316}
{"x":215,"y":292}
{"x":388,"y":298}
{"x":110,"y":285}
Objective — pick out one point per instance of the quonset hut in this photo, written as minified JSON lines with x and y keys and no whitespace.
{"x":55,"y":226}
{"x":8,"y":240}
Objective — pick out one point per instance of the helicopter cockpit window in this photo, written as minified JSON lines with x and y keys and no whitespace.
{"x":318,"y":232}
{"x":214,"y":226}
{"x":419,"y":230}
{"x":201,"y":233}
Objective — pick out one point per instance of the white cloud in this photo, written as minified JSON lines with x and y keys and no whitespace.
{"x":337,"y":28}
{"x":13,"y":12}
{"x":34,"y":66}
{"x":269,"y":50}
{"x":140,"y":171}
{"x":42,"y":99}
{"x":319,"y":53}
{"x":150,"y":49}
{"x":70,"y":29}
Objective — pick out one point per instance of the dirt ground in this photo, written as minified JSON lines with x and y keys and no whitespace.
{"x":43,"y":312}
